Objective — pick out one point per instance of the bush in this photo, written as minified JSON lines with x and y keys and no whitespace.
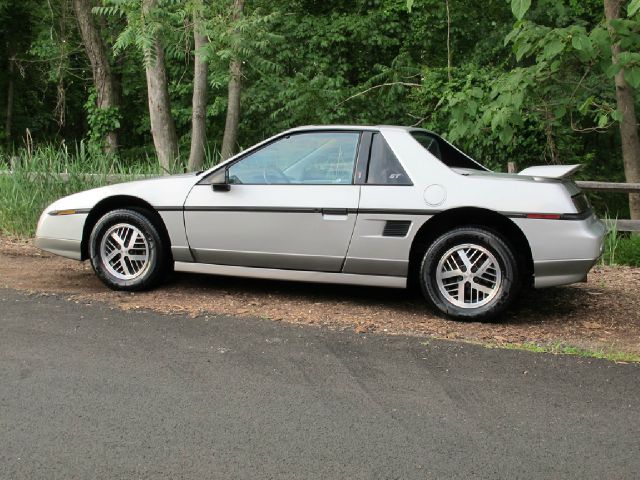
{"x":629,"y":251}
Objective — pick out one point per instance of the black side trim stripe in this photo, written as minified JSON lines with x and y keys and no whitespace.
{"x":393,"y":211}
{"x":577,"y":216}
{"x":255,"y":209}
{"x":327,"y":211}
{"x":350,"y":211}
{"x":170,"y":209}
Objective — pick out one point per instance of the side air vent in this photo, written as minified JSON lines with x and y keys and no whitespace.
{"x":396,"y":228}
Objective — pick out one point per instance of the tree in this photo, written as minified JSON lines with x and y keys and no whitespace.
{"x":163,"y":128}
{"x":626,"y":109}
{"x":230,"y":138}
{"x":103,"y":78}
{"x":145,"y":27}
{"x":199,"y":100}
{"x":546,"y":94}
{"x":10,"y":93}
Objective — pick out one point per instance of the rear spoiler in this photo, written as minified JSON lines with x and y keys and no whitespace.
{"x":551,"y":171}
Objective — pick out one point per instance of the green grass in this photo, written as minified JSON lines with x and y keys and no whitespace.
{"x":621,"y":248}
{"x":36,"y":182}
{"x":560,"y":348}
{"x":628,"y":252}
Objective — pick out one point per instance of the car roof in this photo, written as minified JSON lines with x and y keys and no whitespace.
{"x":350,"y":127}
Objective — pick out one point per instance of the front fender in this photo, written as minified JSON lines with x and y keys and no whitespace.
{"x":62,"y":224}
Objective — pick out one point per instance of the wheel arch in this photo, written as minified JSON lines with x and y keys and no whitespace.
{"x":117,"y":202}
{"x":472,"y":216}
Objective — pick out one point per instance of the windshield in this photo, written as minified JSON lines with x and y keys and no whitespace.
{"x":445,"y":152}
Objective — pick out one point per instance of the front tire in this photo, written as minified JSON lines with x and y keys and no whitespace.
{"x":127,"y":252}
{"x":470,"y":273}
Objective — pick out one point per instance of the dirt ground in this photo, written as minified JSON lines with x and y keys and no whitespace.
{"x":603,"y":314}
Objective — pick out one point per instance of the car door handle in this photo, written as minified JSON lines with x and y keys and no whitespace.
{"x":335,"y":212}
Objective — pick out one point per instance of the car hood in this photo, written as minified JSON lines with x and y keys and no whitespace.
{"x":165,"y":191}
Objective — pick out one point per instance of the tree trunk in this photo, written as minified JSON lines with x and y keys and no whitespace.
{"x":163,"y":129}
{"x":8,"y":124}
{"x":235,"y":89}
{"x":199,"y":101}
{"x":626,"y":106}
{"x":99,"y":58}
{"x":448,"y":41}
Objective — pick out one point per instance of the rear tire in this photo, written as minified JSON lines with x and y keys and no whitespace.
{"x":470,"y":273}
{"x":127,"y":252}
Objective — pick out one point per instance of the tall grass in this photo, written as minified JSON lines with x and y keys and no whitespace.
{"x":621,"y":248}
{"x":611,"y":243}
{"x":35,"y":181}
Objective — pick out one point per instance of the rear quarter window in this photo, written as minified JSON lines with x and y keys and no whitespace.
{"x":445,"y":152}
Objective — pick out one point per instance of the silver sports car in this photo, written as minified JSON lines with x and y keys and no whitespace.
{"x":381,"y":206}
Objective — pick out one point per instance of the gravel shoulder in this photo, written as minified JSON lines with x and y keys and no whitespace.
{"x":600,"y":315}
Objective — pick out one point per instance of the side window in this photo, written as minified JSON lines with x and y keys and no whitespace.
{"x":429,"y":143}
{"x":384,"y":166}
{"x":319,"y":158}
{"x":445,"y":152}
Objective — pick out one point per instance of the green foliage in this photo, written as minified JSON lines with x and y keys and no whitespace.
{"x":549,"y":98}
{"x":142,"y":25}
{"x":629,"y":251}
{"x":520,"y":8}
{"x":101,"y":120}
{"x":531,"y":82}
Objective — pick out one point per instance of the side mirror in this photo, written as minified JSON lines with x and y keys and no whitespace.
{"x":220,"y":181}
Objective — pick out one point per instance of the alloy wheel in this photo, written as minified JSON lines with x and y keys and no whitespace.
{"x":469,"y":276}
{"x":124,"y":251}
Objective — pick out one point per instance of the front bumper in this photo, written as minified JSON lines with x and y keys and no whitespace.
{"x":65,"y":248}
{"x":61,"y":234}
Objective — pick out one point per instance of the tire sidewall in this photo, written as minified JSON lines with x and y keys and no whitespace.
{"x":157,"y":263}
{"x":500,"y":250}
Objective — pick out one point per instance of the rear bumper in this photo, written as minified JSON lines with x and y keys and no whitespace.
{"x":563,"y":250}
{"x":561,"y":272}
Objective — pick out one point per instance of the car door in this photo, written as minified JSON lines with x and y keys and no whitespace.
{"x":292,"y":204}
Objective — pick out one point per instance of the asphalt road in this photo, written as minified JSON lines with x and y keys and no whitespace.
{"x":87,"y":391}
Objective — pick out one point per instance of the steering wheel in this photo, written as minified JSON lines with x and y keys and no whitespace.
{"x":273,"y":174}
